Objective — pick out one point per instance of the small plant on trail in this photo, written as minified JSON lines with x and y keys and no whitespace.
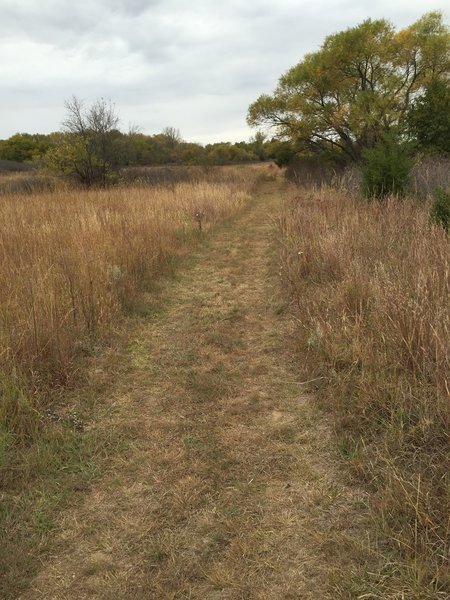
{"x":386,"y":168}
{"x":440,"y":210}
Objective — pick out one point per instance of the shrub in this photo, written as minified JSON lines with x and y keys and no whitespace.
{"x":440,"y":211}
{"x":386,"y":168}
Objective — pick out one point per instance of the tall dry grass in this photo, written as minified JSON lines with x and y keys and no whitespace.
{"x":371,"y":284}
{"x":71,"y":261}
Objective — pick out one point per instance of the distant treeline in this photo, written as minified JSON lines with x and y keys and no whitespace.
{"x":163,"y":148}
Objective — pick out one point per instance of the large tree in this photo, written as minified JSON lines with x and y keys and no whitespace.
{"x":357,"y":86}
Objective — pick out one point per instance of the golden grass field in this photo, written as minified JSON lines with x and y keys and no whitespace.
{"x":163,"y":349}
{"x":72,"y":261}
{"x":371,"y":285}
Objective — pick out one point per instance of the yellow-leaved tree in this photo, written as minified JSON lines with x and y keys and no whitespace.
{"x":357,"y":87}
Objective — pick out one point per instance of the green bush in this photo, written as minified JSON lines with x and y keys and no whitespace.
{"x":429,"y":118}
{"x":440,"y":211}
{"x":386,"y":167}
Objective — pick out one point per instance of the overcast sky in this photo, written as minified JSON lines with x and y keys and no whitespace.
{"x":195,"y":65}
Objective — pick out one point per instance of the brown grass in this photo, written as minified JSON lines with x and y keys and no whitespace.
{"x":72,"y":261}
{"x":229,"y":486}
{"x":372,"y":288}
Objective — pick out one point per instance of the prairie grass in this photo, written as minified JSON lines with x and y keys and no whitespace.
{"x":9,"y":166}
{"x":173,"y":174}
{"x":371,"y":286}
{"x":71,"y":262}
{"x":226,"y":486}
{"x":26,"y":183}
{"x":77,"y":269}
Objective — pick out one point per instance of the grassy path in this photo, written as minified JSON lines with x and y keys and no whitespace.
{"x":228,"y":489}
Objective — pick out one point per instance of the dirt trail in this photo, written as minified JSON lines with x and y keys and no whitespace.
{"x":229,"y":489}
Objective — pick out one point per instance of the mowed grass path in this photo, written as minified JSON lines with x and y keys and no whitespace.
{"x":230,"y":487}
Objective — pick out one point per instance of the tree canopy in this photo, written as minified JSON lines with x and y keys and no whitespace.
{"x":24,"y":147}
{"x":359,"y":85}
{"x":429,"y":119}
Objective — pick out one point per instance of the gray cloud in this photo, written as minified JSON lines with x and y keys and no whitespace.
{"x":195,"y":66}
